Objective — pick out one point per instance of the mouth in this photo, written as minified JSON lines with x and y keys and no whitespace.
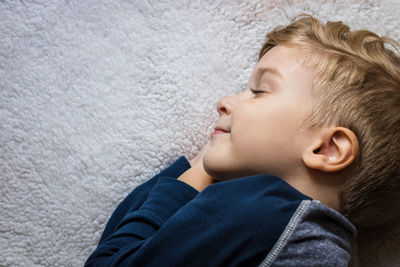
{"x":219,"y":131}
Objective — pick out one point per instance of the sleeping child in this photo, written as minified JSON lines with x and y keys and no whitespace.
{"x":303,"y":158}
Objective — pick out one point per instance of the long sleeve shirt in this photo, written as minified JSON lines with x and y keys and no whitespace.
{"x":249,"y":221}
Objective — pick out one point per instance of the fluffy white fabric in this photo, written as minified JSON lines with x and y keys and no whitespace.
{"x":97,"y":96}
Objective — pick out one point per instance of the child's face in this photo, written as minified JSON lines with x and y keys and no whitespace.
{"x":265,"y":132}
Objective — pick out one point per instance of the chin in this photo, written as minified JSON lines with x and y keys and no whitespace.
{"x":218,"y":164}
{"x":217,"y":171}
{"x":212,"y":167}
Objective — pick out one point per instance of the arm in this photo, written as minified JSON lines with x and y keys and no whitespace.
{"x":139,"y":226}
{"x":138,"y":196}
{"x":192,"y":173}
{"x":227,"y":224}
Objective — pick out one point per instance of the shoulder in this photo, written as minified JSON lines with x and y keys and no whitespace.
{"x":263,"y":198}
{"x":316,"y":235}
{"x":258,"y":207}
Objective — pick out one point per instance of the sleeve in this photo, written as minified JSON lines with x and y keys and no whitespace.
{"x":224,"y":225}
{"x":138,"y":196}
{"x":139,"y":226}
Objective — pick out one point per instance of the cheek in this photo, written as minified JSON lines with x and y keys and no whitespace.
{"x":250,"y":127}
{"x":265,"y":125}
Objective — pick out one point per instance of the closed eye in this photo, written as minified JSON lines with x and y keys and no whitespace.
{"x":256,"y":91}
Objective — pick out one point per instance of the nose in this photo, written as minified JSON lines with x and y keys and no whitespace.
{"x":225,"y":105}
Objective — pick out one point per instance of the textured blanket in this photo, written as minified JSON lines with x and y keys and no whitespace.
{"x":98,"y":96}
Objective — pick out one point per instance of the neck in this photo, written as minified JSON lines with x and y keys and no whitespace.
{"x":319,"y":186}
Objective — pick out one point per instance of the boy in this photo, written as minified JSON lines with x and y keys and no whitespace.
{"x":307,"y":153}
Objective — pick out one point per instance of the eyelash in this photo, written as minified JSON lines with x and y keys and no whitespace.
{"x":256,"y":91}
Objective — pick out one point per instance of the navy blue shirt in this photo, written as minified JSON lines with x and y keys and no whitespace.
{"x":166,"y":222}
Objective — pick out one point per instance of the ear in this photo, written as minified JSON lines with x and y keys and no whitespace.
{"x":334,"y":149}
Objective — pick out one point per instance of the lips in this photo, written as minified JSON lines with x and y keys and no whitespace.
{"x":219,"y":130}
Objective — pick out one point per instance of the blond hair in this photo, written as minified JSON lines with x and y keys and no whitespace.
{"x":357,"y":86}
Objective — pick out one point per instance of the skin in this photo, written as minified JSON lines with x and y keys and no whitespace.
{"x":266,"y":136}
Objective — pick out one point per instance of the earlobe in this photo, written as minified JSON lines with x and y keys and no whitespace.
{"x":334,"y":149}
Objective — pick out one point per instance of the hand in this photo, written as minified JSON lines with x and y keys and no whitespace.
{"x":196,"y":176}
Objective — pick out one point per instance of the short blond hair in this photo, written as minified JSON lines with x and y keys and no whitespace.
{"x":357,"y":86}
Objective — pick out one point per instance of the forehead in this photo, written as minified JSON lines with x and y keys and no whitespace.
{"x":283,"y":58}
{"x":283,"y":63}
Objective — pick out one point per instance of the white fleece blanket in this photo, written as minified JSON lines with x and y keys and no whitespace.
{"x":98,"y":96}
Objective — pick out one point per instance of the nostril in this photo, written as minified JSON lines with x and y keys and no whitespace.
{"x":317,"y":150}
{"x":223,"y":106}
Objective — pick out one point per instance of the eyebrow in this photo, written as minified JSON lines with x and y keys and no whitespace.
{"x":263,"y":70}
